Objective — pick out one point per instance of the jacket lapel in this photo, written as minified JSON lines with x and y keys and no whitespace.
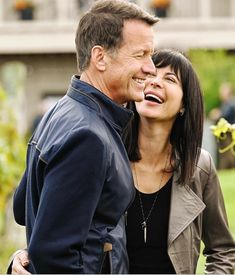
{"x":185,"y":207}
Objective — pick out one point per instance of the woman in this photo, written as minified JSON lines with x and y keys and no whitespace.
{"x":178,"y":199}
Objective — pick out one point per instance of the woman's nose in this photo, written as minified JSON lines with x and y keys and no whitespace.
{"x":156,"y":82}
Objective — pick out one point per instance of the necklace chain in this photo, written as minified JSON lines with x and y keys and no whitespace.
{"x":145,"y":218}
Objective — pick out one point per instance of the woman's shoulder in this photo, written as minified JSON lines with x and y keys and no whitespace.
{"x":205,"y":161}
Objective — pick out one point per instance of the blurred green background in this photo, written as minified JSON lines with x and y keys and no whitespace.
{"x":213,"y":68}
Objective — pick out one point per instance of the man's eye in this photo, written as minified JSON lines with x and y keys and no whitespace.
{"x":151,"y":75}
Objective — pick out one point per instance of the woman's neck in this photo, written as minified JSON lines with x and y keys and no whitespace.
{"x":154,"y":142}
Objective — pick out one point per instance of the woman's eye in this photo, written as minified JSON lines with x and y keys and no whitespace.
{"x":171,"y":79}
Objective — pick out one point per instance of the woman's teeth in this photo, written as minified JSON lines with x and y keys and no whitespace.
{"x":154,"y":98}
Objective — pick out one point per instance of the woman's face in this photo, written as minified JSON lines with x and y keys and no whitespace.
{"x":163,"y":96}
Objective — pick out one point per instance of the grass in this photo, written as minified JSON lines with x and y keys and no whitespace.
{"x":227,"y":178}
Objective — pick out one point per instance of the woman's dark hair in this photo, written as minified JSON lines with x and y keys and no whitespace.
{"x":187,"y":130}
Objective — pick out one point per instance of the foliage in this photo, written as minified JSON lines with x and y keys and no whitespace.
{"x":6,"y":250}
{"x":160,"y":3}
{"x":12,"y":150}
{"x":221,"y":131}
{"x":213,"y":68}
{"x":23,"y":4}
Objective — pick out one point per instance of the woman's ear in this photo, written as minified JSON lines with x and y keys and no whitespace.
{"x":98,"y":58}
{"x":182,"y":111}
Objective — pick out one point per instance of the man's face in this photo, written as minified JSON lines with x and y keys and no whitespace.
{"x":128,"y":68}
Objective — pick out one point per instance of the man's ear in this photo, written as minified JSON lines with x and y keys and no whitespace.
{"x":98,"y":58}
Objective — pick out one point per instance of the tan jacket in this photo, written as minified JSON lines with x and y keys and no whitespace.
{"x":198,"y":213}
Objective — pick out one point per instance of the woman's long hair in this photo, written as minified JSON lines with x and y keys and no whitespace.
{"x":187,"y":130}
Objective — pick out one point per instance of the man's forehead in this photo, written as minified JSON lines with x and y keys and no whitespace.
{"x":138,"y":32}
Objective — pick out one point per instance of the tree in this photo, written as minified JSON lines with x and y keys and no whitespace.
{"x":213,"y":68}
{"x":12,"y":152}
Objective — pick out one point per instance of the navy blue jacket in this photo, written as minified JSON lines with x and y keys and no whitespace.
{"x":77,"y":184}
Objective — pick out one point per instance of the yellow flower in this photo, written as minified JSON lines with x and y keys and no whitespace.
{"x":221,"y":128}
{"x":233,"y":131}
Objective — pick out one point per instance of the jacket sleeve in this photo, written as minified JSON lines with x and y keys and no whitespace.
{"x":72,"y":187}
{"x":219,"y":244}
{"x":19,"y":201}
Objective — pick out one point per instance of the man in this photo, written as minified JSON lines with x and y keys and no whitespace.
{"x":78,"y":182}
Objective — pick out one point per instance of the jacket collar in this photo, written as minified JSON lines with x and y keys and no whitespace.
{"x":83,"y":92}
{"x":185,"y":207}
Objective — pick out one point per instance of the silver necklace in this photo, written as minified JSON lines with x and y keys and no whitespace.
{"x":146,"y":218}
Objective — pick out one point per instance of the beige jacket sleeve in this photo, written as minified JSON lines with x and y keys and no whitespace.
{"x":219,"y":243}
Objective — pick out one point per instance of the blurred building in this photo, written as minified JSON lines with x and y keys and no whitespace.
{"x":45,"y":44}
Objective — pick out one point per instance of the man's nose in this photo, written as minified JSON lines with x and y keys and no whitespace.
{"x":149,"y":67}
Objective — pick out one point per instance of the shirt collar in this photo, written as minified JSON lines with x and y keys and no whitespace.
{"x":87,"y":94}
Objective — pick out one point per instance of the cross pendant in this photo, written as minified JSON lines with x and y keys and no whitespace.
{"x":144,"y":227}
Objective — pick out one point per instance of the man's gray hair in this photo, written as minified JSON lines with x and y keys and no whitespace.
{"x":103,"y":24}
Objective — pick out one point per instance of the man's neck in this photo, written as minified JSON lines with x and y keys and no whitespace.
{"x":98,"y":83}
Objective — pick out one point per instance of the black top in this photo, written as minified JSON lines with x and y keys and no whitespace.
{"x":150,"y":257}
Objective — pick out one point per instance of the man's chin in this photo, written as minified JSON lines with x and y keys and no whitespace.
{"x":139,"y":96}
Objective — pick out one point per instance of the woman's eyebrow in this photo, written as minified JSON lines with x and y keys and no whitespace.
{"x":173,"y":74}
